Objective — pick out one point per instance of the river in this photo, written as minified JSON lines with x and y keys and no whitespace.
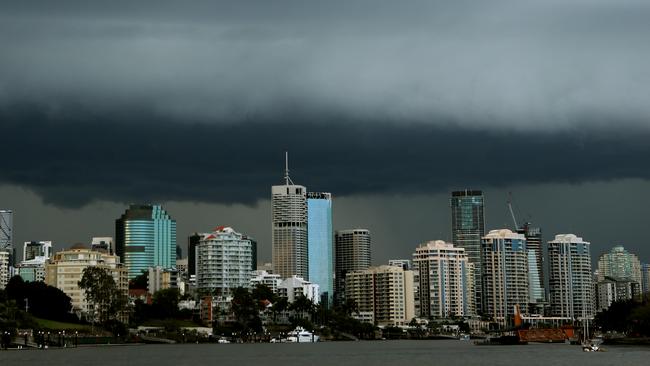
{"x":392,"y":353}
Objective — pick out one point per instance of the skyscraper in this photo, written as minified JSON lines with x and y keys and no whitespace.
{"x":467,"y":229}
{"x":620,"y":264}
{"x":505,"y":274}
{"x":145,"y":236}
{"x":320,"y":242}
{"x":192,"y":241}
{"x":444,"y":282}
{"x":352,"y":248}
{"x":289,"y":217}
{"x":223,"y":261}
{"x":6,"y":235}
{"x":537,"y":293}
{"x":570,"y":282}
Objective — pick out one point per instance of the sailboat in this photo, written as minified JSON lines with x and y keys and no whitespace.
{"x":589,"y":345}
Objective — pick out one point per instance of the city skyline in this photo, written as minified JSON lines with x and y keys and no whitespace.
{"x":389,"y":106}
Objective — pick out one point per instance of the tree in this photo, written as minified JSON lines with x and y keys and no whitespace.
{"x":165,"y":303}
{"x":44,"y":301}
{"x":106,"y":300}
{"x":246,"y":311}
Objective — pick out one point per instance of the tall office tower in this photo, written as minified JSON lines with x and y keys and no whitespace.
{"x":33,"y":249}
{"x":6,"y":235}
{"x":223,"y":261}
{"x":192,"y":241}
{"x":102,"y":244}
{"x":442,"y":280}
{"x":570,"y":281}
{"x":289,"y":216}
{"x":620,"y":264}
{"x":320,"y":242}
{"x":145,"y":236}
{"x":386,"y":292}
{"x":645,"y":278}
{"x":536,"y":291}
{"x":505,"y":274}
{"x":352,"y":252}
{"x":467,"y":229}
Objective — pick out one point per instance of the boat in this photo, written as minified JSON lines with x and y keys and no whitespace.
{"x":463,"y":337}
{"x":590,"y":345}
{"x":301,"y":335}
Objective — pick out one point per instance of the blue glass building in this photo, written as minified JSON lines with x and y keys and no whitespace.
{"x":320,"y":242}
{"x":145,"y":236}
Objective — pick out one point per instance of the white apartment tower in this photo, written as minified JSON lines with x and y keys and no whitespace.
{"x":223,"y":261}
{"x":505,"y":274}
{"x":289,"y":220}
{"x":570,"y":278}
{"x":444,"y":286}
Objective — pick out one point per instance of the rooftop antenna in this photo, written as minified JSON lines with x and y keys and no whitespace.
{"x":286,"y":169}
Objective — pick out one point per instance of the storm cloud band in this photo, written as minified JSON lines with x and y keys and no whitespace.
{"x":72,"y":157}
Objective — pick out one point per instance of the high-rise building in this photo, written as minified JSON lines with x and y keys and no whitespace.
{"x":6,"y":235}
{"x":385,"y":291}
{"x":320,"y":242}
{"x":645,"y":278}
{"x":65,"y":270}
{"x":443,"y":281}
{"x":620,"y":264}
{"x":223,"y":261}
{"x":145,"y":236}
{"x":505,"y":274}
{"x":570,"y":282}
{"x":4,"y":268}
{"x":192,"y":241}
{"x":289,"y":217}
{"x":536,"y":289}
{"x":352,"y":252}
{"x":33,"y":249}
{"x":102,"y":244}
{"x":467,"y":229}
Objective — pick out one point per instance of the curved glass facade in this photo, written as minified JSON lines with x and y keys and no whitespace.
{"x":145,"y":237}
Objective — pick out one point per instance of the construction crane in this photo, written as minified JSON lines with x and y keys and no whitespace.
{"x":512,"y":213}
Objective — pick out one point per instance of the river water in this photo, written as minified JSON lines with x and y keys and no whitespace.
{"x":362,"y":353}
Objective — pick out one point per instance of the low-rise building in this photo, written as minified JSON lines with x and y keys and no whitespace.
{"x":159,"y":278}
{"x":272,"y":281}
{"x":32,"y":270}
{"x":65,"y":270}
{"x":293,"y":287}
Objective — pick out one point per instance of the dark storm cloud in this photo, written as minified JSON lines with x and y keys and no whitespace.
{"x":72,"y":157}
{"x":518,"y":64}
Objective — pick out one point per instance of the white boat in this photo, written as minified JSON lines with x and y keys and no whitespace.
{"x":301,"y":335}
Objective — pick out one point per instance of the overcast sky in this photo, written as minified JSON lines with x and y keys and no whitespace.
{"x":388,"y":105}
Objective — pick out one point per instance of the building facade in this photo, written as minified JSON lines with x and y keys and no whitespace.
{"x":223,"y":261}
{"x":536,"y":288}
{"x":145,"y":236}
{"x":571,"y":290}
{"x":5,"y":267}
{"x":294,"y":287}
{"x":321,"y":242}
{"x":6,"y":235}
{"x":352,"y":253}
{"x":505,"y":274}
{"x":103,"y":244}
{"x":289,"y":229}
{"x":159,"y":278}
{"x":443,"y":281}
{"x":467,"y":229}
{"x":645,"y":278}
{"x":33,"y":249}
{"x":65,"y":270}
{"x":612,"y":289}
{"x":32,"y":270}
{"x":385,"y":291}
{"x":621,"y":264}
